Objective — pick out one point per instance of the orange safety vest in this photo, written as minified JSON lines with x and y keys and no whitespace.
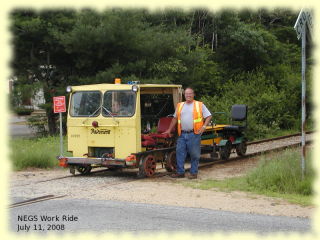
{"x":197,"y":116}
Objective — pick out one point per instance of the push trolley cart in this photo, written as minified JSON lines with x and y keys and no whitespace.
{"x":221,"y":139}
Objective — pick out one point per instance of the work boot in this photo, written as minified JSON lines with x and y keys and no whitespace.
{"x":177,"y":175}
{"x":192,"y":176}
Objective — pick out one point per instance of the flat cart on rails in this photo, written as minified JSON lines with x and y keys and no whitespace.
{"x":121,"y":125}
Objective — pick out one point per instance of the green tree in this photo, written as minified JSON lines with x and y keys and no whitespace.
{"x":38,"y":57}
{"x":229,"y":57}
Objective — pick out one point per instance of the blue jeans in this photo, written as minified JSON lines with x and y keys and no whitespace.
{"x":188,"y":143}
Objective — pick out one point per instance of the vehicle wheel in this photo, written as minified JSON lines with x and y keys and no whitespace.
{"x":147,"y":166}
{"x":84,"y":170}
{"x":171,"y":162}
{"x":72,"y":170}
{"x":225,"y":151}
{"x":241,"y":149}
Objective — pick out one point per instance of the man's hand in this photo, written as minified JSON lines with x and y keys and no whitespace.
{"x":172,"y":124}
{"x":205,"y":124}
{"x":168,"y":132}
{"x":201,"y":130}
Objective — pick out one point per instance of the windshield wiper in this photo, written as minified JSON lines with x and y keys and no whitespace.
{"x":87,"y":118}
{"x":110,"y":113}
{"x":95,"y":111}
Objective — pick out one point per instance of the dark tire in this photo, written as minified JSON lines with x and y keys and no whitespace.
{"x":225,"y":151}
{"x":241,"y":149}
{"x":147,"y":166}
{"x":84,"y":170}
{"x":72,"y":170}
{"x":171,"y":161}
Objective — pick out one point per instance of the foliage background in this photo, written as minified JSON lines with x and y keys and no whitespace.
{"x":229,"y":57}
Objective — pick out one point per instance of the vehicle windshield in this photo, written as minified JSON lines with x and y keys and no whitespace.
{"x":119,"y":103}
{"x":85,"y":104}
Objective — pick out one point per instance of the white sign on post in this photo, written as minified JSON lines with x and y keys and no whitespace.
{"x":303,"y":18}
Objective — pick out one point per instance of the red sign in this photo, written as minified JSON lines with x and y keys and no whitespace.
{"x":59,"y":104}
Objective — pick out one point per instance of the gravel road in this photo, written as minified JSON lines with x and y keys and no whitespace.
{"x":115,"y":216}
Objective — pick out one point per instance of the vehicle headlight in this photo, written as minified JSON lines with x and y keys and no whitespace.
{"x":69,"y":89}
{"x":135,"y":88}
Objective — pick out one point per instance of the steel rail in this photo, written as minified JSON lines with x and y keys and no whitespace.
{"x":58,"y":178}
{"x":255,"y":153}
{"x":276,"y":138}
{"x":35,"y":200}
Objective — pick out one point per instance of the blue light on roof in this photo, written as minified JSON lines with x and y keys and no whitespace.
{"x":133,"y":82}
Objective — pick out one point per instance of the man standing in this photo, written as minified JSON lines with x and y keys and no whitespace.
{"x":192,"y":117}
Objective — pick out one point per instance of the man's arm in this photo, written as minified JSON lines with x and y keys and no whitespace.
{"x":206,"y":122}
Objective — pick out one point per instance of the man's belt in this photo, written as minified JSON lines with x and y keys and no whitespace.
{"x":187,"y":131}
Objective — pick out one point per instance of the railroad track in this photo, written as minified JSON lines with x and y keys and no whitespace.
{"x":58,"y":178}
{"x":277,"y":138}
{"x":268,"y":149}
{"x":35,"y":200}
{"x":204,"y":162}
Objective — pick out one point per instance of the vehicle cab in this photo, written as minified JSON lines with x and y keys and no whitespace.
{"x":107,"y":123}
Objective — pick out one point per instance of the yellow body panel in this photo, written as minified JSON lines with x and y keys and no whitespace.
{"x":121,"y":133}
{"x":77,"y":141}
{"x":213,"y":129}
{"x":210,"y":141}
{"x":216,"y":127}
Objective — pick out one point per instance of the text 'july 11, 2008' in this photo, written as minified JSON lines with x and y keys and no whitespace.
{"x":28,"y":223}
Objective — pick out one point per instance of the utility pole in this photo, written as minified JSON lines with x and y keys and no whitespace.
{"x":304,"y":19}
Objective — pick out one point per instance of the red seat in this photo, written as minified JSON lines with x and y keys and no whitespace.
{"x":148,"y":143}
{"x":146,"y":137}
{"x":163,"y":125}
{"x":157,"y":135}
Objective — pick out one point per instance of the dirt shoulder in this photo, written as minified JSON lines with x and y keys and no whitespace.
{"x":164,"y":191}
{"x":170,"y":193}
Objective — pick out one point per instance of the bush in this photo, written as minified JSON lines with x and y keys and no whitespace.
{"x":271,"y":108}
{"x":38,"y":124}
{"x":21,"y":111}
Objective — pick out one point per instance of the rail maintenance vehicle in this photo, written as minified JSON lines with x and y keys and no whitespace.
{"x":121,"y":125}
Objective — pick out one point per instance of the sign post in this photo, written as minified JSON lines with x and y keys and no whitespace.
{"x":59,"y":106}
{"x":304,"y":19}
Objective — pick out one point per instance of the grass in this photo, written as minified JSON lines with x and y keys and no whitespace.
{"x":35,"y":152}
{"x":278,"y":133}
{"x":282,"y":132}
{"x":277,"y":175}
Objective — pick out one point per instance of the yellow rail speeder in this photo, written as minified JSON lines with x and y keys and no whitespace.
{"x":121,"y":125}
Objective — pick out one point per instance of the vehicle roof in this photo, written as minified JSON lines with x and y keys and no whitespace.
{"x":105,"y":86}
